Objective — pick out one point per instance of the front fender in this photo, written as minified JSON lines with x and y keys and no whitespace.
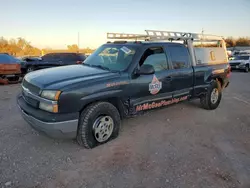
{"x":114,"y":97}
{"x":100,"y":96}
{"x":72,"y":102}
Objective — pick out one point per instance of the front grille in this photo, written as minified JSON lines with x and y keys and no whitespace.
{"x":30,"y":101}
{"x":32,"y":88}
{"x":234,"y":64}
{"x":29,"y":89}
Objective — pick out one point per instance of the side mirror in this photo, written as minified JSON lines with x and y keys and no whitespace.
{"x":146,"y":70}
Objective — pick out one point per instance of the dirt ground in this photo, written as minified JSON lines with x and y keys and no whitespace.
{"x":180,"y":146}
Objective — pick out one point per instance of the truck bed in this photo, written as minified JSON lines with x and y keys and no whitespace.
{"x":203,"y":74}
{"x":10,"y":69}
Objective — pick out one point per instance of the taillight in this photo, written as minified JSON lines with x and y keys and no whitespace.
{"x":79,"y":62}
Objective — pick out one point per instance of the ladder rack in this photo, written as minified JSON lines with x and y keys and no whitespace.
{"x":155,"y":35}
{"x":126,"y":36}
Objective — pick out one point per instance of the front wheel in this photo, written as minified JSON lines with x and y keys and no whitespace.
{"x":98,"y":124}
{"x":212,"y":98}
{"x":247,"y":68}
{"x":30,"y":69}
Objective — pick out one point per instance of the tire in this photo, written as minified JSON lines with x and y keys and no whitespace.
{"x":87,"y":134}
{"x":30,"y":69}
{"x":247,"y":68}
{"x":14,"y":79}
{"x":208,"y":102}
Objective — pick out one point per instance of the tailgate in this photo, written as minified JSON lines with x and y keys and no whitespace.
{"x":10,"y":69}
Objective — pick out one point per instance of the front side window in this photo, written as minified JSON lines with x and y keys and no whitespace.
{"x":155,"y":57}
{"x":112,"y":57}
{"x":179,"y":56}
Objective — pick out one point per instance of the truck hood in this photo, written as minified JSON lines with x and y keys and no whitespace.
{"x":60,"y":77}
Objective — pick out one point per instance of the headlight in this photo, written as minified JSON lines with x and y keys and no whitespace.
{"x":52,"y":95}
{"x":242,"y":64}
{"x":48,"y":107}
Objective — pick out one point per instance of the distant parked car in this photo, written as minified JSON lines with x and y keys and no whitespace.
{"x":240,"y":62}
{"x":10,"y":67}
{"x":51,"y":60}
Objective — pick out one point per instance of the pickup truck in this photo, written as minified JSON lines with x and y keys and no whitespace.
{"x":120,"y":79}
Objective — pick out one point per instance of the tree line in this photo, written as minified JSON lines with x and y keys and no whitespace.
{"x":18,"y":47}
{"x":241,"y":41}
{"x":21,"y":47}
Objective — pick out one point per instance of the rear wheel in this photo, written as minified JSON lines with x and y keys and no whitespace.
{"x":14,"y":79}
{"x":98,"y":124}
{"x":212,"y":98}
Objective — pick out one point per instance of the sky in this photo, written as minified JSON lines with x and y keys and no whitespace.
{"x":56,"y":23}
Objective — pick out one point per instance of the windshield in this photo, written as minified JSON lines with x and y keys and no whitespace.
{"x":241,"y":58}
{"x":7,"y":59}
{"x":112,"y":57}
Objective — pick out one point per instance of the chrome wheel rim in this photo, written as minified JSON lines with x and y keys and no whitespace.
{"x":103,"y":128}
{"x":214,"y":95}
{"x":29,"y":70}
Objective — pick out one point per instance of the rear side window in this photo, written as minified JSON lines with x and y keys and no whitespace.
{"x":49,"y":57}
{"x":58,"y":57}
{"x":155,"y":57}
{"x":179,"y":56}
{"x":4,"y":59}
{"x":72,"y":57}
{"x":67,"y":57}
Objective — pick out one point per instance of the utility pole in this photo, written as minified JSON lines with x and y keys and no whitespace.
{"x":78,"y":41}
{"x":202,"y":33}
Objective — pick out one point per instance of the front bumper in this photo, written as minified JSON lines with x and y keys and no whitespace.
{"x":54,"y":129}
{"x":237,"y":67}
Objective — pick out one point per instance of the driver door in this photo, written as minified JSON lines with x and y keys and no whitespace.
{"x":150,"y":91}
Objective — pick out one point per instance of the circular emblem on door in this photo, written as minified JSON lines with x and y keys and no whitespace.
{"x":155,"y":86}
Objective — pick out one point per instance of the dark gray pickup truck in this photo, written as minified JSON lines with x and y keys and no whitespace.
{"x":120,"y":79}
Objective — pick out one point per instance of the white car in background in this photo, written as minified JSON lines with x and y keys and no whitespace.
{"x":240,"y":62}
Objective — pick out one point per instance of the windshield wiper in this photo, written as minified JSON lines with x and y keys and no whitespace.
{"x":100,"y":67}
{"x":87,"y":64}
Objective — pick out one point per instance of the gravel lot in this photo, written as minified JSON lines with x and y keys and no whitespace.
{"x":179,"y":146}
